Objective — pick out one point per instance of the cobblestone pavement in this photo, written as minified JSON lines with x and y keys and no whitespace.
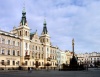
{"x":51,"y":73}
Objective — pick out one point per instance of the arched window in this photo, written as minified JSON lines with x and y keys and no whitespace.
{"x":33,"y":62}
{"x":39,"y":63}
{"x":36,"y":55}
{"x":36,"y":47}
{"x":9,"y":42}
{"x":43,"y":40}
{"x":39,"y":55}
{"x":42,"y":48}
{"x":8,"y":62}
{"x":47,"y":40}
{"x":2,"y":62}
{"x":3,"y":40}
{"x":18,"y":53}
{"x":47,"y":49}
{"x":25,"y":62}
{"x":3,"y":51}
{"x":20,"y":33}
{"x":42,"y":64}
{"x":13,"y":62}
{"x":13,"y":52}
{"x":26,"y":33}
{"x":13,"y":42}
{"x":17,"y":63}
{"x":42,"y":56}
{"x":8,"y":52}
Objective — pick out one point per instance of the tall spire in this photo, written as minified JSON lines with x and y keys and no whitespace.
{"x":45,"y":31}
{"x":73,"y":46}
{"x":23,"y":20}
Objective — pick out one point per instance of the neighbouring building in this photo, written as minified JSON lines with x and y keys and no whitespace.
{"x":10,"y":50}
{"x":88,"y":58}
{"x":69,"y":55}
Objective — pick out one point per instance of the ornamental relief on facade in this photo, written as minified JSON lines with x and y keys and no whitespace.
{"x":10,"y":58}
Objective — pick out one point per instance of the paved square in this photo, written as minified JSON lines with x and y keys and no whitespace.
{"x":51,"y":73}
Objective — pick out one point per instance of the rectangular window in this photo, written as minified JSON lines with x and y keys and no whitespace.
{"x":3,"y":51}
{"x":2,"y":62}
{"x":26,"y":46}
{"x":17,"y":53}
{"x":13,"y":62}
{"x":42,"y":48}
{"x":18,"y":43}
{"x":36,"y":47}
{"x":9,"y":42}
{"x":3,"y":40}
{"x":39,"y":48}
{"x":8,"y":52}
{"x":13,"y":52}
{"x":47,"y":49}
{"x":33,"y":63}
{"x":17,"y":63}
{"x":25,"y":62}
{"x":8,"y":62}
{"x":33,"y":47}
{"x":13,"y":42}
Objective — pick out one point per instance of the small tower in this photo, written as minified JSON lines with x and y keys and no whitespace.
{"x":23,"y":20}
{"x":23,"y":32}
{"x":45,"y":38}
{"x":45,"y":31}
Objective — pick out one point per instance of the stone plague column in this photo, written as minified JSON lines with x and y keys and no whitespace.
{"x":73,"y":46}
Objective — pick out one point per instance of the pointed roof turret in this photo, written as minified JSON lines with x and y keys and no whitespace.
{"x":45,"y":31}
{"x":23,"y":20}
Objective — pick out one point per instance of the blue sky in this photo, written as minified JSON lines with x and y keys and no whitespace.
{"x":66,"y":19}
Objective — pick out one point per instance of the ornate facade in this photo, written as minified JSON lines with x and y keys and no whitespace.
{"x":22,"y":48}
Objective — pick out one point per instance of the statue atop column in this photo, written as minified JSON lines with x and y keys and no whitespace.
{"x":73,"y":46}
{"x":73,"y":60}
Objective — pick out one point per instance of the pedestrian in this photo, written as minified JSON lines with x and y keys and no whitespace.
{"x":28,"y":69}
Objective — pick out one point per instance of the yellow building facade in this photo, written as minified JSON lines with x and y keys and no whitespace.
{"x":22,"y":48}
